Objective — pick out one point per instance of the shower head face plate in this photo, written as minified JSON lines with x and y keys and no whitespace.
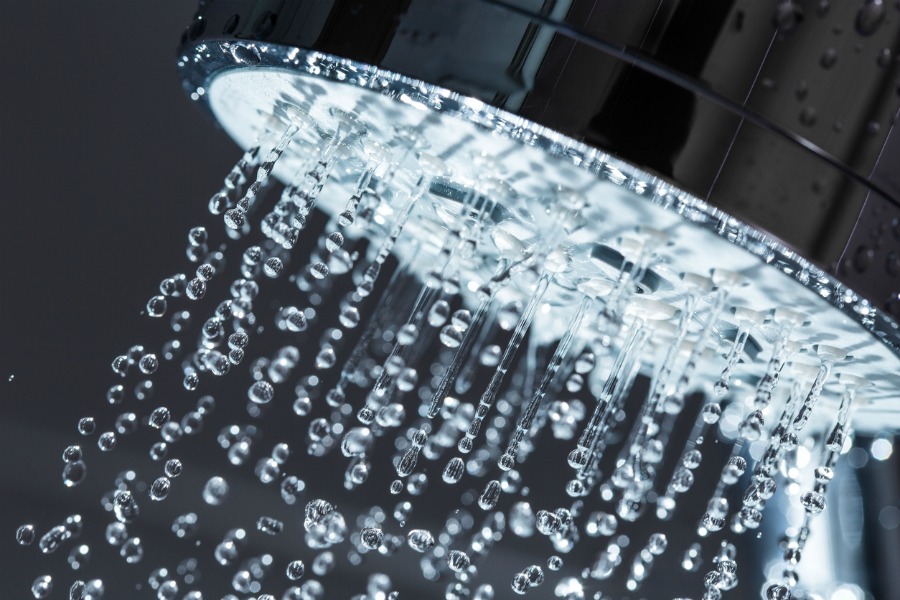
{"x":477,"y":153}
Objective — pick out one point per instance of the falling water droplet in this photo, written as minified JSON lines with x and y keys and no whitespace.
{"x":25,"y":535}
{"x":454,"y":470}
{"x":42,"y":586}
{"x":295,"y":570}
{"x":74,"y":473}
{"x":490,"y":495}
{"x":813,"y":502}
{"x":215,"y":491}
{"x":273,"y":267}
{"x":371,"y":537}
{"x":86,"y":426}
{"x":420,"y":540}
{"x":107,"y":441}
{"x":156,"y":306}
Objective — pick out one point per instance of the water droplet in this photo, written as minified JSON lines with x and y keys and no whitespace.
{"x":349,"y":316}
{"x":273,"y":267}
{"x":107,"y":441}
{"x":334,"y":241}
{"x":711,"y":413}
{"x":458,"y":561}
{"x":215,"y":491}
{"x":778,"y":592}
{"x":520,"y":583}
{"x":682,"y":480}
{"x":156,"y":306}
{"x":751,"y":428}
{"x":226,"y":553}
{"x":196,"y":289}
{"x":327,"y":357}
{"x":490,"y":495}
{"x":116,"y":534}
{"x":547,"y":522}
{"x":72,"y":454}
{"x":574,"y":383}
{"x":115,"y":394}
{"x":315,"y":510}
{"x":132,"y":550}
{"x":159,"y":489}
{"x":454,"y":470}
{"x":371,"y":537}
{"x":813,"y":502}
{"x":535,"y":575}
{"x":862,"y":258}
{"x":869,"y":17}
{"x":733,"y":470}
{"x":159,"y":417}
{"x":461,"y":319}
{"x":490,"y":355}
{"x":261,"y":392}
{"x":191,"y":381}
{"x":51,"y":540}
{"x":86,"y":426}
{"x":295,"y":570}
{"x":323,"y":564}
{"x":808,"y":116}
{"x":439,"y":313}
{"x":74,"y":473}
{"x":788,"y":15}
{"x":267,"y":470}
{"x":269,"y":525}
{"x":42,"y":586}
{"x":25,"y":535}
{"x":407,"y":334}
{"x":357,"y":441}
{"x":420,"y":540}
{"x":125,"y":507}
{"x":79,"y":557}
{"x":197,"y":236}
{"x":657,"y":543}
{"x":205,"y":272}
{"x":407,"y":380}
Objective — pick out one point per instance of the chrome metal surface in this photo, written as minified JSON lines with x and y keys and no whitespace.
{"x":774,"y":111}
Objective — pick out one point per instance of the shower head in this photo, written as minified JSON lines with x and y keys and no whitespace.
{"x":669,"y":182}
{"x":482,"y":86}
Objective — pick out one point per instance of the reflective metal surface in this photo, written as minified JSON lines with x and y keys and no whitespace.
{"x":775,"y":112}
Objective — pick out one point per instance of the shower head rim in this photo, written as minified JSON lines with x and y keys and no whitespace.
{"x":212,"y":59}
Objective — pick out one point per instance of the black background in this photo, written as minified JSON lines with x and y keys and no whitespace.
{"x":105,"y":165}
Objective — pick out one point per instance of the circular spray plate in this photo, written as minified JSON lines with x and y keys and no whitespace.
{"x":474,"y":152}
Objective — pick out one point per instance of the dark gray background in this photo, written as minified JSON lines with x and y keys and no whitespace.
{"x":105,"y":164}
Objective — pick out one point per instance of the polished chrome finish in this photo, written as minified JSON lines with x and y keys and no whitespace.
{"x":774,"y":112}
